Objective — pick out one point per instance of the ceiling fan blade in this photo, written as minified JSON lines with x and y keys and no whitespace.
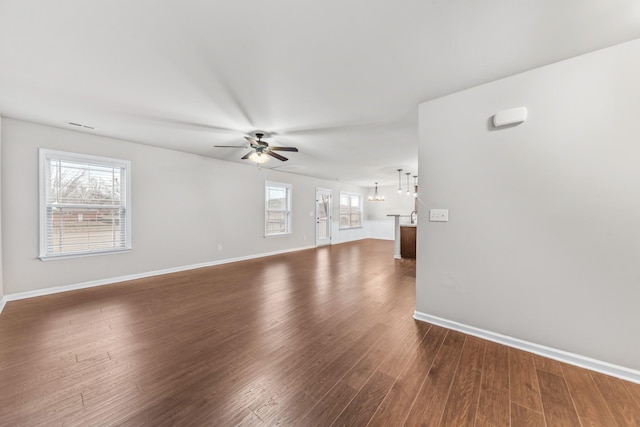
{"x":252,"y":141}
{"x":229,"y":146}
{"x":277,"y":156}
{"x":284,"y":149}
{"x":246,"y":156}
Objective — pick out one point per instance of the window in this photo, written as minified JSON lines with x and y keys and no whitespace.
{"x":84,"y":205}
{"x":277,"y":209}
{"x":350,"y":210}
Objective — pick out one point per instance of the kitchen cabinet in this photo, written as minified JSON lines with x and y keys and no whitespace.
{"x":408,"y":241}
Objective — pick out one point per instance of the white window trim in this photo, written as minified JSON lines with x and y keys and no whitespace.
{"x":289,"y":188}
{"x":44,"y":155}
{"x":348,"y":193}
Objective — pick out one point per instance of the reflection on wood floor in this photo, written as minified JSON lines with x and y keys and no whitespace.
{"x":317,"y":337}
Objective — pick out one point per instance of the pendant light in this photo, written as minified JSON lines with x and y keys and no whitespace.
{"x":376,"y":197}
{"x":415,"y":186}
{"x":408,"y":189}
{"x":399,"y":183}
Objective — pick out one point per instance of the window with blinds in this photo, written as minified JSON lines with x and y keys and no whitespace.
{"x":350,"y":210}
{"x":84,"y":205}
{"x":277,"y":209}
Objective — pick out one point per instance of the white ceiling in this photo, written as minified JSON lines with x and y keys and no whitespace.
{"x":340,"y":80}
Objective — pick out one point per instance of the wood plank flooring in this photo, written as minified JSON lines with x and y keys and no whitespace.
{"x":314,"y":338}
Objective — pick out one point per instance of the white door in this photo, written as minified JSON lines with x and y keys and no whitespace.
{"x":323,"y":217}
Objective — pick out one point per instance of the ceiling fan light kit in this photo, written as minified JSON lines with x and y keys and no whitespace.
{"x":261,"y":149}
{"x":258,"y":157}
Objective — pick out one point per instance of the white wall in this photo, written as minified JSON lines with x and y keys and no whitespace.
{"x":381,"y":226}
{"x":543,"y":242}
{"x":183,"y":206}
{"x":1,"y":281}
{"x":394,"y":203}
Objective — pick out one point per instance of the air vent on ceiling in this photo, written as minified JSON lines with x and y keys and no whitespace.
{"x":80,"y":125}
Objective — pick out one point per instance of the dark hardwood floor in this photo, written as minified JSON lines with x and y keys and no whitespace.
{"x":313,"y":338}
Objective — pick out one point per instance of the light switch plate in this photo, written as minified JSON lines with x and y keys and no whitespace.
{"x":438,"y":215}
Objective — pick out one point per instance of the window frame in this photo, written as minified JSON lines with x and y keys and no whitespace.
{"x":361,"y":207}
{"x":288,"y":211}
{"x":45,"y":156}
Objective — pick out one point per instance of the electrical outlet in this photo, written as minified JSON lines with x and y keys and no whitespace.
{"x":219,"y":246}
{"x":438,"y":215}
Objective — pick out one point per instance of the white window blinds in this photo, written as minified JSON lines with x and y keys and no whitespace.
{"x":84,"y":205}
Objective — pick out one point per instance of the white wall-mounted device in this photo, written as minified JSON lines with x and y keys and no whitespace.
{"x":510,"y":117}
{"x":439,"y":215}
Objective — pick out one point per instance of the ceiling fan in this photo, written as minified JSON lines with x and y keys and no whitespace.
{"x":261,"y":149}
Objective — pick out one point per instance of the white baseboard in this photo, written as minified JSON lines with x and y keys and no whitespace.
{"x":101,"y":282}
{"x":552,"y":353}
